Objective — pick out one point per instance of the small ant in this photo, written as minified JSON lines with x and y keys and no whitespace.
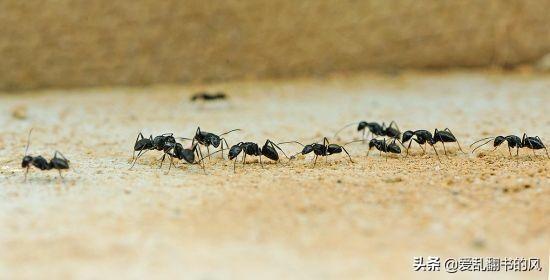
{"x":249,"y":148}
{"x":188,"y":155}
{"x":323,"y":150}
{"x":383,"y":146}
{"x":376,"y":129}
{"x":424,"y":136}
{"x":512,"y":140}
{"x":41,"y":163}
{"x":163,"y":142}
{"x":206,"y":96}
{"x":210,"y":139}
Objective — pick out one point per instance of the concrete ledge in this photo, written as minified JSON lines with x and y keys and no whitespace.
{"x":69,"y":43}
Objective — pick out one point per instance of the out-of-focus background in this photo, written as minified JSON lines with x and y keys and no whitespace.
{"x":71,"y":43}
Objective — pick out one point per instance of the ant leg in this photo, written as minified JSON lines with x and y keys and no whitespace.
{"x":273,"y":145}
{"x":447,"y":129}
{"x":138,"y":156}
{"x":509,"y":151}
{"x":423,"y":148}
{"x":59,"y":153}
{"x":394,"y":123}
{"x":540,"y":140}
{"x":261,"y":161}
{"x":60,"y":175}
{"x":171,"y":162}
{"x":199,"y":154}
{"x":234,"y":165}
{"x":314,"y":161}
{"x":26,"y":171}
{"x":226,"y":145}
{"x":347,"y":154}
{"x":444,"y":149}
{"x":162,"y":160}
{"x":408,"y":147}
{"x":244,"y":158}
{"x":208,"y":151}
{"x":436,"y":153}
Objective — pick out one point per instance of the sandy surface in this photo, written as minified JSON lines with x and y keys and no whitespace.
{"x":337,"y":221}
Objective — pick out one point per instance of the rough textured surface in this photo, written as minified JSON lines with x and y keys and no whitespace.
{"x":337,"y":221}
{"x":72,"y":43}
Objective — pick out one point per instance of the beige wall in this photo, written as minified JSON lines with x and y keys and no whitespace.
{"x":70,"y":43}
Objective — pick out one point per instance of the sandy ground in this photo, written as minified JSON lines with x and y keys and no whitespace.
{"x":287,"y":220}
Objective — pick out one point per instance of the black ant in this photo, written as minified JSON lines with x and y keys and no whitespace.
{"x":512,"y":140}
{"x":533,"y":143}
{"x":41,"y":163}
{"x":424,"y":136}
{"x":383,"y":146}
{"x":249,"y":148}
{"x":188,"y":155}
{"x":323,"y":150}
{"x":164,"y":142}
{"x":391,"y":131}
{"x":210,"y":139}
{"x":206,"y":96}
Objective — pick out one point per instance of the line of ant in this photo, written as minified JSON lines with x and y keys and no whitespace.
{"x":167,"y":144}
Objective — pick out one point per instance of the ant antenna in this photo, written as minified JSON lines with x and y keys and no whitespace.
{"x":207,"y":156}
{"x":28,"y":142}
{"x":346,"y":126}
{"x":277,"y":146}
{"x":490,"y":139}
{"x":288,"y":142}
{"x":237,"y":129}
{"x":354,"y":141}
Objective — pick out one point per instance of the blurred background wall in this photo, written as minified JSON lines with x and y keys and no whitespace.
{"x":79,"y":43}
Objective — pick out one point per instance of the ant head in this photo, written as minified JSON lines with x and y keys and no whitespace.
{"x":362,"y":125}
{"x":235,"y":151}
{"x":372,"y":143}
{"x":407,"y":135}
{"x":215,"y":140}
{"x":498,"y":140}
{"x":26,"y":161}
{"x":307,"y":149}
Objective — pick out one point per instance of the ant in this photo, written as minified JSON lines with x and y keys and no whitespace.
{"x":383,"y":146}
{"x":323,"y":150}
{"x":512,"y":140}
{"x":41,"y":163}
{"x":424,"y":136}
{"x":188,"y":155}
{"x":210,"y":139}
{"x":249,"y":148}
{"x":376,"y":129}
{"x":206,"y":96}
{"x":163,"y":142}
